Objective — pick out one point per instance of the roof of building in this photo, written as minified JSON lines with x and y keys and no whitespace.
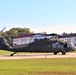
{"x":30,"y":35}
{"x":23,"y":36}
{"x":52,"y":34}
{"x":67,"y":36}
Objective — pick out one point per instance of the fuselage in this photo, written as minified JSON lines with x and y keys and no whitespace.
{"x":44,"y":45}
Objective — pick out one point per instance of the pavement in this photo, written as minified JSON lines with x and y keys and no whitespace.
{"x":37,"y":55}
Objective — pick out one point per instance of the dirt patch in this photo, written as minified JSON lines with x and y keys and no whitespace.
{"x":37,"y":55}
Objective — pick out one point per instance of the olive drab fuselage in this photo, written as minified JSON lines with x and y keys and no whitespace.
{"x":43,"y":45}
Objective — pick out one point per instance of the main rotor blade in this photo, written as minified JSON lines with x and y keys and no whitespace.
{"x":2,"y":30}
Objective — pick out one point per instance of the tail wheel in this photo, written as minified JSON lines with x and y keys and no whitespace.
{"x":13,"y":54}
{"x":55,"y":53}
{"x":63,"y":52}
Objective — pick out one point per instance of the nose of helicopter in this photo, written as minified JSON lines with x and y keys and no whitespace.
{"x":72,"y":47}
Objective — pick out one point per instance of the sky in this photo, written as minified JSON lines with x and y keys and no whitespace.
{"x":51,"y":16}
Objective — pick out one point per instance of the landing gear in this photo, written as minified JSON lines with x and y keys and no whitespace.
{"x":55,"y":53}
{"x":63,"y":52}
{"x":13,"y":54}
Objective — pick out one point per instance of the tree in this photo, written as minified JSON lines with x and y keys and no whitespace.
{"x":64,"y":33}
{"x":4,"y":34}
{"x":15,"y":32}
{"x":10,"y":41}
{"x":45,"y":32}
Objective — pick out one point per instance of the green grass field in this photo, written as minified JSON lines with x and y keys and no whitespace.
{"x":53,"y":66}
{"x":2,"y":52}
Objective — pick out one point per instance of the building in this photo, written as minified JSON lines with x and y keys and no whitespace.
{"x":40,"y":36}
{"x":29,"y":38}
{"x":21,"y":40}
{"x":71,"y":38}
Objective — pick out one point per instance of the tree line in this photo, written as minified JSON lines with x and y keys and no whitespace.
{"x":15,"y":32}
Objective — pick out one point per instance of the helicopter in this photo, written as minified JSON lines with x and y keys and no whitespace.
{"x":42,"y":45}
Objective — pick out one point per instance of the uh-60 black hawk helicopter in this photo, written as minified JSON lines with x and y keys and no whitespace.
{"x":43,"y":45}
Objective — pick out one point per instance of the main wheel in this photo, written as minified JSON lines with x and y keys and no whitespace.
{"x":63,"y":52}
{"x":55,"y":53}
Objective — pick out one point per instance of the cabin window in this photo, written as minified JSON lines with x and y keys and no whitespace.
{"x":54,"y":45}
{"x":36,"y":39}
{"x":16,"y":40}
{"x":69,"y":39}
{"x":23,"y":40}
{"x":15,"y":44}
{"x":57,"y":45}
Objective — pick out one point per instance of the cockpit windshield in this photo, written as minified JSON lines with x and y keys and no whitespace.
{"x":70,"y":45}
